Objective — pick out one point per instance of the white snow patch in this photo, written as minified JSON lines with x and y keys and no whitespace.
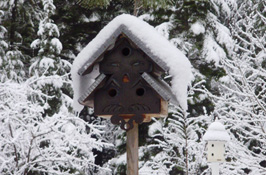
{"x":164,"y":28}
{"x":49,"y":6}
{"x":212,"y":51}
{"x":2,"y":31}
{"x":57,"y":44}
{"x":261,"y":56}
{"x":224,"y":36}
{"x":46,"y":63}
{"x":225,"y":79}
{"x":69,"y":128}
{"x":55,"y":80}
{"x":86,"y":80}
{"x":35,"y":44}
{"x":122,"y":159}
{"x":226,"y":6}
{"x":197,"y":28}
{"x":216,"y":132}
{"x":154,"y":127}
{"x":93,"y":18}
{"x":146,"y":17}
{"x":178,"y":63}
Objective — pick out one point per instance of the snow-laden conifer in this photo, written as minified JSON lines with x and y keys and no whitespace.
{"x":198,"y":29}
{"x":72,"y":148}
{"x":3,"y":43}
{"x":48,"y":65}
{"x":19,"y":21}
{"x":242,"y":102}
{"x":33,"y":144}
{"x":11,"y":57}
{"x":178,"y":144}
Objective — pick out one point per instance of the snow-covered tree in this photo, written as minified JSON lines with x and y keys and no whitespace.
{"x":199,"y":29}
{"x":178,"y":146}
{"x":138,"y":4}
{"x":224,"y":39}
{"x":242,"y":102}
{"x":48,"y":65}
{"x":3,"y":44}
{"x":32,"y":144}
{"x":12,"y":66}
{"x":19,"y":21}
{"x":10,"y":59}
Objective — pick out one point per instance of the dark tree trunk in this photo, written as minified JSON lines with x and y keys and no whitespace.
{"x":13,"y":24}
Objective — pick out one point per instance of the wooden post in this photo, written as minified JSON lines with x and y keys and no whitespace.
{"x":132,"y":150}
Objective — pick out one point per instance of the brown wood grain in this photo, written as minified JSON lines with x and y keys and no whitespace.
{"x":132,"y":150}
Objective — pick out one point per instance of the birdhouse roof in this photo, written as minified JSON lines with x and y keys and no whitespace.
{"x":216,"y":132}
{"x":93,"y":87}
{"x":158,"y":48}
{"x":161,"y":88}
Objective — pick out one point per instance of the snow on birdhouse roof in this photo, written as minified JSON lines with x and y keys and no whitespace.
{"x":93,"y":87}
{"x":216,"y":132}
{"x":161,"y":88}
{"x":158,"y":48}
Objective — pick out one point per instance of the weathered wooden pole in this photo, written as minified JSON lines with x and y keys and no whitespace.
{"x":132,"y":150}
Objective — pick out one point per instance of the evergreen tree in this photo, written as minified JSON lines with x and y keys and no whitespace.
{"x":33,"y":145}
{"x":3,"y":45}
{"x":19,"y":21}
{"x":138,"y":4}
{"x":198,"y":28}
{"x":224,"y":40}
{"x":11,"y":59}
{"x":242,"y":102}
{"x":177,"y":148}
{"x":48,"y":65}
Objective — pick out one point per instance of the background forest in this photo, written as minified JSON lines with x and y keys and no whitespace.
{"x":40,"y":134}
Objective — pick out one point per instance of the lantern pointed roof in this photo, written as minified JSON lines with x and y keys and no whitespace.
{"x":216,"y":132}
{"x":145,"y":37}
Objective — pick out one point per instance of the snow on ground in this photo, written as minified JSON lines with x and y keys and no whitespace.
{"x":178,"y":63}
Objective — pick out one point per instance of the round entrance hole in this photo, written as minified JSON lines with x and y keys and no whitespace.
{"x":140,"y":91}
{"x":112,"y":92}
{"x":126,"y":51}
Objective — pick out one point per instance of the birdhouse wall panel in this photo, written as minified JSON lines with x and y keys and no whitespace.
{"x":216,"y":151}
{"x":125,"y":91}
{"x":147,"y":117}
{"x":123,"y":58}
{"x":126,"y":99}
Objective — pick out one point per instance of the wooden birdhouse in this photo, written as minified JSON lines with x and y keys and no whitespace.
{"x":216,"y":137}
{"x":120,"y":73}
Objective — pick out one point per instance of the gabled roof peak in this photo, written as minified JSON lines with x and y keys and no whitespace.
{"x":110,"y":40}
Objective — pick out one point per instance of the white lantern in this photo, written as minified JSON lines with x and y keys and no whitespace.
{"x":216,"y":137}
